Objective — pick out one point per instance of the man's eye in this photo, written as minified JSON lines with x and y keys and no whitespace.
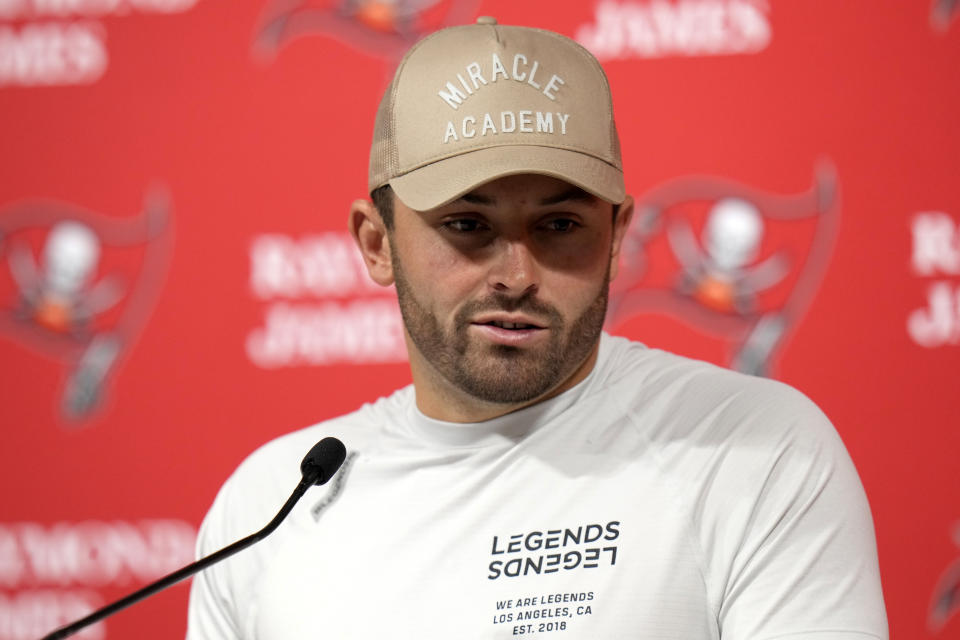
{"x":561,"y":225}
{"x":465,"y":225}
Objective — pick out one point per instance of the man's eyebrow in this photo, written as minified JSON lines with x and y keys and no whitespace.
{"x":575,"y":194}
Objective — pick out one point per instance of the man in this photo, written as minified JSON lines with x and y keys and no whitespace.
{"x":539,"y":477}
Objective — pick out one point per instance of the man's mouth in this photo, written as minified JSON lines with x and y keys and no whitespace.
{"x":512,"y":330}
{"x":511,"y":325}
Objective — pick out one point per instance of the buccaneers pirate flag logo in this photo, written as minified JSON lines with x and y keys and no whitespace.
{"x":78,"y":286}
{"x":734,"y":262}
{"x":382,"y":27}
{"x":943,"y":12}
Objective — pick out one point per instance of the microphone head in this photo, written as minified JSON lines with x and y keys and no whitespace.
{"x":323,"y":460}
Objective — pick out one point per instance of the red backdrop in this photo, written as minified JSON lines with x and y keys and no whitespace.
{"x":177,"y":285}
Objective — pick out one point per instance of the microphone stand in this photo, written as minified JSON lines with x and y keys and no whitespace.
{"x":308,"y":480}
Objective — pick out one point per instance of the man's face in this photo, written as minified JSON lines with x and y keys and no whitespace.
{"x":503,"y":292}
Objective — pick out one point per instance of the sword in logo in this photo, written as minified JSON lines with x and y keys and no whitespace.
{"x":946,"y":595}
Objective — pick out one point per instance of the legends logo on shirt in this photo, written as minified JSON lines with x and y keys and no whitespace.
{"x":542,"y":552}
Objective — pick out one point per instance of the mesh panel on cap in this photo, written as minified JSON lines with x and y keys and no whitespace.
{"x":615,"y":143}
{"x":384,"y":162}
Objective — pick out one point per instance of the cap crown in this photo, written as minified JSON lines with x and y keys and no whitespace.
{"x":485,"y":87}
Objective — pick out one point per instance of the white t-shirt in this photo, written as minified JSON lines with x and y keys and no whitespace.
{"x":659,"y":498}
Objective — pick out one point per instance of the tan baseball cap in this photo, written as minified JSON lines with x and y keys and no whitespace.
{"x":473,"y":103}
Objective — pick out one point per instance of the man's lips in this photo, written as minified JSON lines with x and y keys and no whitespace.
{"x":509,"y":322}
{"x":513,"y":330}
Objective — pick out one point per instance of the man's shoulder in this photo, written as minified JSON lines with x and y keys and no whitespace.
{"x":266,"y":477}
{"x":688,"y":392}
{"x":356,"y":429}
{"x":628,"y":358}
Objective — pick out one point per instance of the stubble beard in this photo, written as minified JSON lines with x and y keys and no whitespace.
{"x":502,"y":374}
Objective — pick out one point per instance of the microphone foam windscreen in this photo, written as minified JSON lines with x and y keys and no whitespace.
{"x":323,"y":459}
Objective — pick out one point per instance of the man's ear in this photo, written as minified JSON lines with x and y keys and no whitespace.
{"x":620,"y":227}
{"x":370,"y":234}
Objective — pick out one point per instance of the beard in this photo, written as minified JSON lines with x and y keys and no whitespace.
{"x":500,"y":373}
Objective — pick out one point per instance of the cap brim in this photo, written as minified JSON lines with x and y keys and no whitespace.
{"x":443,"y":181}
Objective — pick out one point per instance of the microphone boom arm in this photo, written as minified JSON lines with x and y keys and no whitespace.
{"x":318,"y":466}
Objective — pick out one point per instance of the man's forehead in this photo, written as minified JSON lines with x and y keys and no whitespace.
{"x":539,"y":189}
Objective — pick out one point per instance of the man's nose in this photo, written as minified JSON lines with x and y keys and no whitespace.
{"x":514,"y":269}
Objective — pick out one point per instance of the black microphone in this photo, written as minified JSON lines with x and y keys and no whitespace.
{"x":318,"y":466}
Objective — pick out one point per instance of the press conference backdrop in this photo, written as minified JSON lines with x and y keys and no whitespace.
{"x":177,"y":284}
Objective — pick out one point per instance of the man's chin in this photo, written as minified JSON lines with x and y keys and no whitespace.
{"x":481,"y":354}
{"x":506,"y":375}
